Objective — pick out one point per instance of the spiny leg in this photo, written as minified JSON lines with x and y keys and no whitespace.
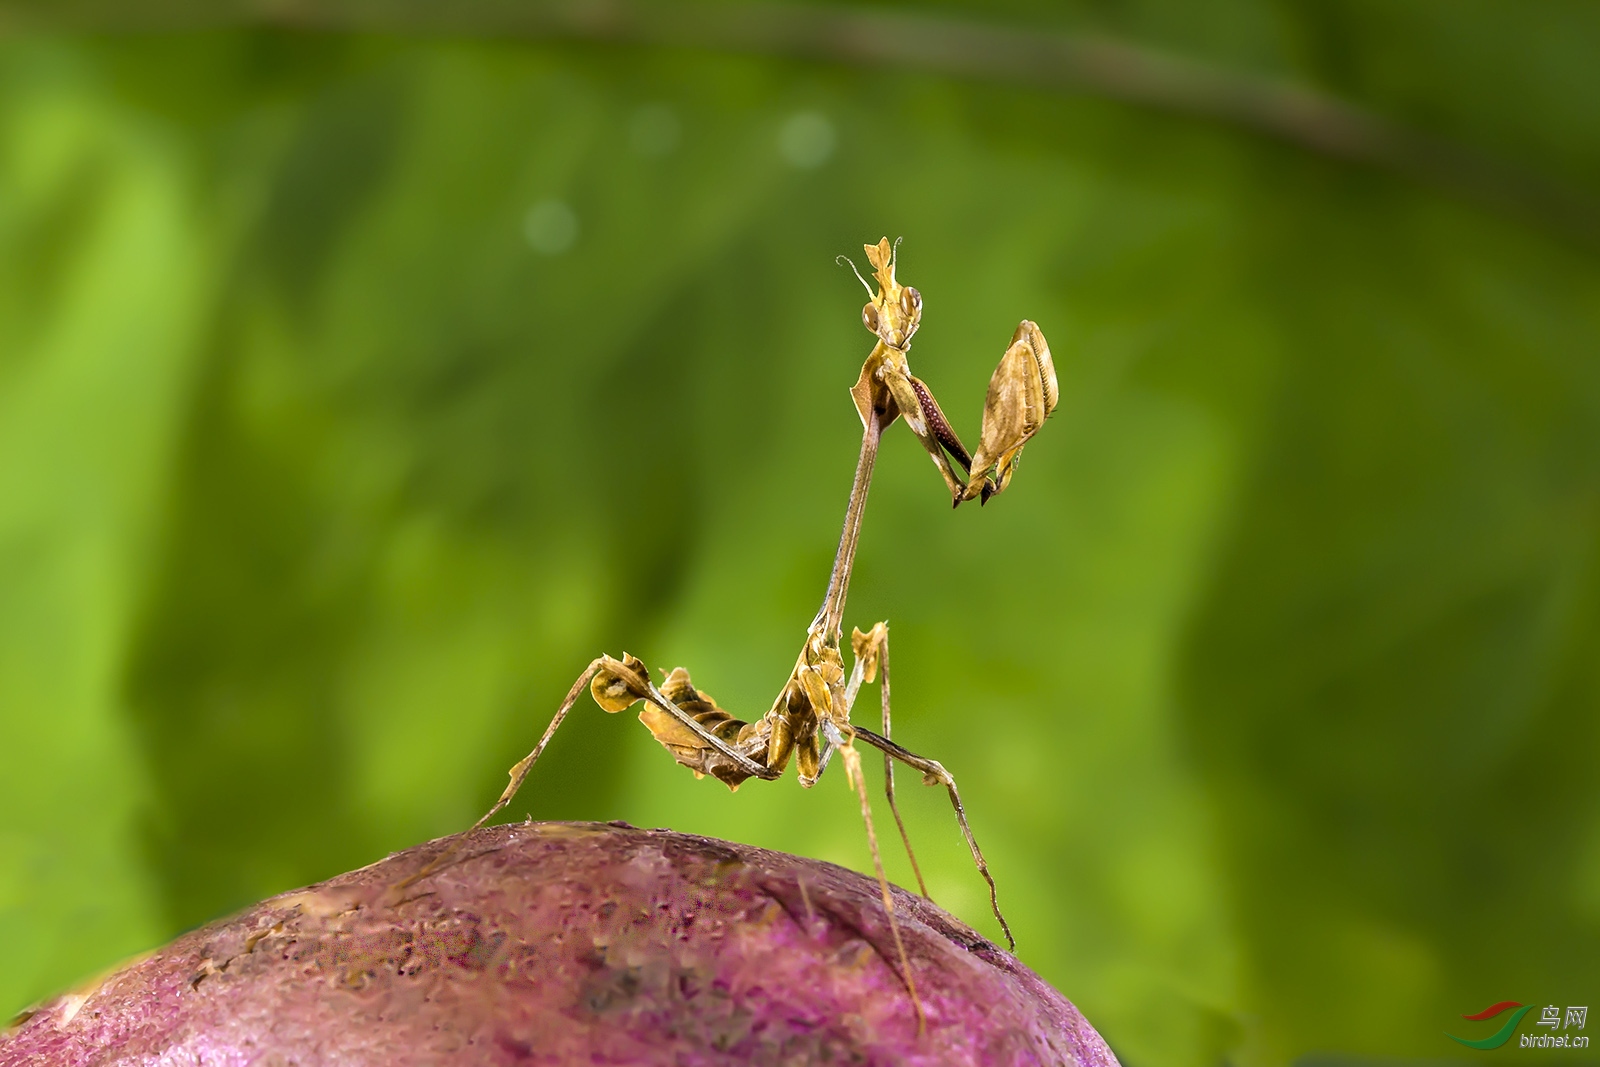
{"x":872,"y":652}
{"x":923,"y":415}
{"x":519,"y":774}
{"x":858,"y":781}
{"x":639,"y":688}
{"x":933,"y":773}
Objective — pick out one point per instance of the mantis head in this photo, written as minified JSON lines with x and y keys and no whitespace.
{"x":895,"y":310}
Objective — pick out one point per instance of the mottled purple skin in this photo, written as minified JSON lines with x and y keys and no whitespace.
{"x":569,"y":943}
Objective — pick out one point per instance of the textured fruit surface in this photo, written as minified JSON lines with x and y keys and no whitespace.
{"x":546,"y":943}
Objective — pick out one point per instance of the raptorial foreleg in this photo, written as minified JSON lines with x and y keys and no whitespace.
{"x":916,"y":404}
{"x":1022,"y":394}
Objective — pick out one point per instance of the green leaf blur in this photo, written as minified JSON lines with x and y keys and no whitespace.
{"x":357,"y":389}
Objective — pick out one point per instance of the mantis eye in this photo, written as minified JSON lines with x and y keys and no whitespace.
{"x":910,"y":301}
{"x":869,"y":317}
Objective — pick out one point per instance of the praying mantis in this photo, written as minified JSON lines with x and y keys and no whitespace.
{"x":810,"y":719}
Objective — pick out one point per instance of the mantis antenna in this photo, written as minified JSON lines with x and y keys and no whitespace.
{"x":846,"y":261}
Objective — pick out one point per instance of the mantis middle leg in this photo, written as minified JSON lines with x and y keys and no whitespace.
{"x":858,"y":781}
{"x":872,"y":654}
{"x":933,"y":773}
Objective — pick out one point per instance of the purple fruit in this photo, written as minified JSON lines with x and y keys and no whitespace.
{"x":557,"y":943}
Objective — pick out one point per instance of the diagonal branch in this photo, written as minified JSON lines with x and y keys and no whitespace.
{"x":874,"y":37}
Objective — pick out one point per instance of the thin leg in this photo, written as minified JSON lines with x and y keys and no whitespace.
{"x":933,"y":773}
{"x":519,"y":774}
{"x":824,"y":757}
{"x":873,"y":648}
{"x":858,"y":781}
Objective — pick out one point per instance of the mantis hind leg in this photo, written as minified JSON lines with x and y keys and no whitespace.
{"x":622,"y":686}
{"x":519,"y":774}
{"x":933,"y":773}
{"x":858,"y":781}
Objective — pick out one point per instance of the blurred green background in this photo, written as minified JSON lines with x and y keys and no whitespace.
{"x":362,"y":378}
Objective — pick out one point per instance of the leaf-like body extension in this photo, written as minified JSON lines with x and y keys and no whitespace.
{"x":881,"y":256}
{"x":618,"y":686}
{"x":867,"y":648}
{"x":871,"y":395}
{"x":555,"y":943}
{"x":1022,"y":394}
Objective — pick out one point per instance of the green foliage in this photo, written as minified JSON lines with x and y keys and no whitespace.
{"x":1270,"y":682}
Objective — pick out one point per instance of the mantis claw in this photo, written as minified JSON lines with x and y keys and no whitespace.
{"x":1022,"y":391}
{"x":1022,"y":394}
